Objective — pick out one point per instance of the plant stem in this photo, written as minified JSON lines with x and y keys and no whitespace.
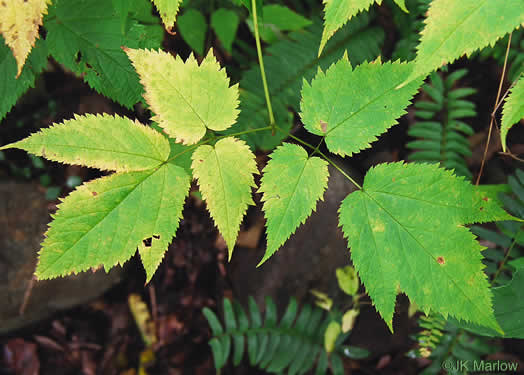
{"x":497,"y":103}
{"x":262,"y":70}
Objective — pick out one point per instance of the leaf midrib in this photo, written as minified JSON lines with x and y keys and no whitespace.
{"x":66,"y":251}
{"x":472,"y":301}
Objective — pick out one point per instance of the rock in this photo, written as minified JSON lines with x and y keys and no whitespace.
{"x":306,"y":261}
{"x":23,"y":220}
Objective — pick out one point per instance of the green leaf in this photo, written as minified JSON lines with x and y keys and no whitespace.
{"x":185,"y":97}
{"x":337,"y":13}
{"x":454,"y":28}
{"x":168,"y":10}
{"x":402,"y":5}
{"x":12,"y":88}
{"x":193,"y":28}
{"x":508,"y":301}
{"x":99,"y":141}
{"x":104,"y":221}
{"x":225,"y":177}
{"x":406,"y":232}
{"x":347,"y":280}
{"x":287,"y":62}
{"x":351,"y":107}
{"x":284,"y":18}
{"x":513,"y":110}
{"x":86,"y":37}
{"x":225,"y":23}
{"x":292,"y":184}
{"x":278,"y":18}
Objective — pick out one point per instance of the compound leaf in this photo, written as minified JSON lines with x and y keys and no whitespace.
{"x":406,"y":232}
{"x":104,"y":221}
{"x":337,"y":13}
{"x":351,"y":107}
{"x":513,"y":110}
{"x":100,"y":141}
{"x":225,"y":176}
{"x":19,"y":23}
{"x":168,"y":10}
{"x":454,"y":28}
{"x":292,"y":184}
{"x":86,"y":37}
{"x":186,"y":98}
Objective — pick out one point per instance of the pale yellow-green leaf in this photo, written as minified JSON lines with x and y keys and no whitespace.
{"x":168,"y":10}
{"x":348,"y":320}
{"x":333,"y":330}
{"x":347,"y":279}
{"x":143,"y":319}
{"x":187,"y":98}
{"x":513,"y":110}
{"x":402,"y":5}
{"x":225,"y":176}
{"x":322,"y":299}
{"x":19,"y":23}
{"x":454,"y":28}
{"x":99,"y":141}
{"x":104,"y":221}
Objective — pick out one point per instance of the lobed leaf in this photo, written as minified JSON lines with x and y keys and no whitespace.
{"x":513,"y":110}
{"x":104,"y":221}
{"x":454,"y":28}
{"x":292,"y":184}
{"x":168,"y":10}
{"x":187,"y":99}
{"x":395,"y":228}
{"x":225,"y":177}
{"x":19,"y":24}
{"x":351,"y":107}
{"x":99,"y":141}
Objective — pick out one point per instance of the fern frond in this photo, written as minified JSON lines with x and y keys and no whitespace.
{"x":449,"y":347}
{"x":287,"y":64}
{"x":440,"y":132}
{"x":409,"y":26}
{"x":292,"y":344}
{"x":506,"y":245}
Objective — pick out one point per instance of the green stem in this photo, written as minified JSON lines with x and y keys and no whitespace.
{"x":315,"y":149}
{"x":261,"y":63}
{"x":499,"y":269}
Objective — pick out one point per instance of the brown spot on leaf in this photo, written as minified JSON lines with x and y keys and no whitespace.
{"x":485,"y":199}
{"x":323,"y":126}
{"x":147,"y":242}
{"x":440,"y":260}
{"x":156,"y":236}
{"x":94,"y":193}
{"x":481,"y":208}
